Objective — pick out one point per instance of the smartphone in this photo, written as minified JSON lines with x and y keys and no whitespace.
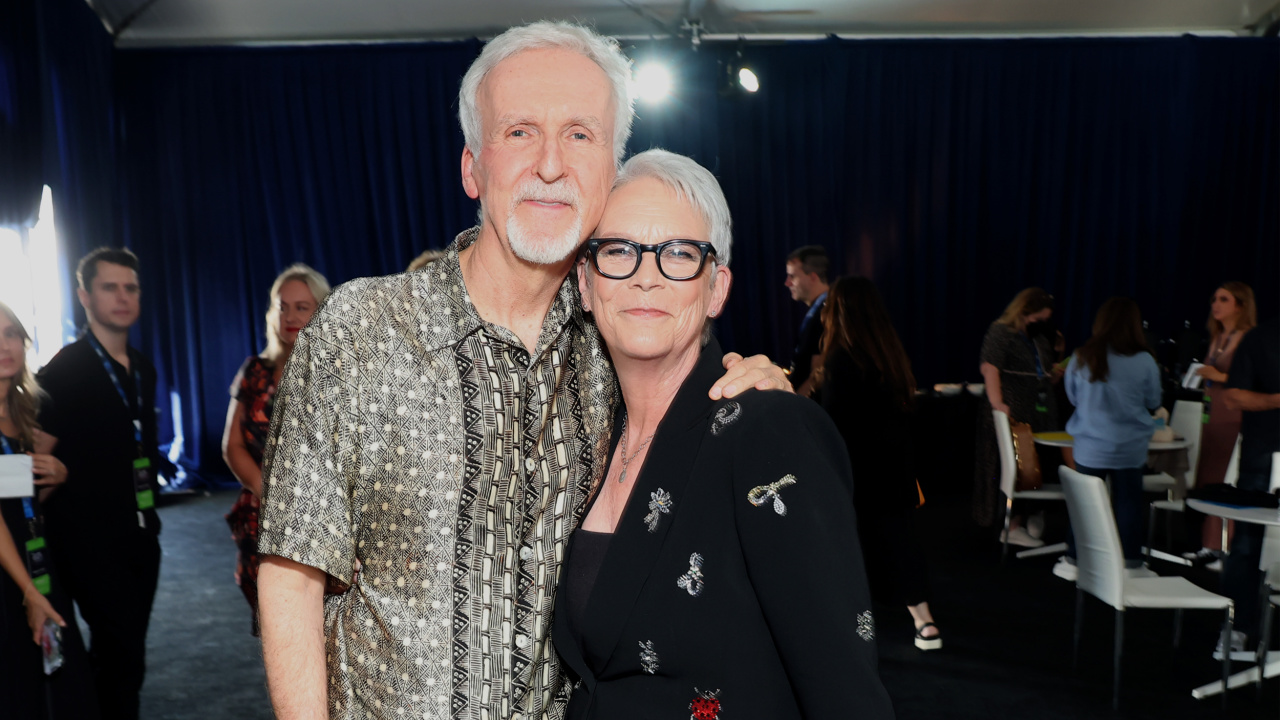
{"x":51,"y":644}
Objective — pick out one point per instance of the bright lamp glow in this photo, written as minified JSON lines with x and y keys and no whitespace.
{"x":653,"y":82}
{"x":748,"y":80}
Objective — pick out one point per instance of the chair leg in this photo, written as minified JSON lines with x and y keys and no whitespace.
{"x":1119,"y":651}
{"x":1151,"y":529}
{"x":1177,"y":628}
{"x":1075,"y":636}
{"x":1008,"y":516}
{"x":1226,"y":652}
{"x":1264,"y":637}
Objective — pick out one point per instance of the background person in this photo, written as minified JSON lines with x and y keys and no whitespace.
{"x":27,"y":602}
{"x":807,"y":269}
{"x":867,"y":389}
{"x":1253,"y":390}
{"x":1017,"y":365}
{"x":294,"y":297}
{"x":748,"y":552}
{"x":1232,"y":314}
{"x":102,"y":524}
{"x":1114,"y":383}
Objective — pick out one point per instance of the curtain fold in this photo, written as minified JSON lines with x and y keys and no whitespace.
{"x":21,"y":178}
{"x":952,"y":172}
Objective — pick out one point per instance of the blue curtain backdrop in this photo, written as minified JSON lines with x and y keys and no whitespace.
{"x":954,"y":173}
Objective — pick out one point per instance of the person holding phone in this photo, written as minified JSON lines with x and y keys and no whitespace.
{"x":27,"y":585}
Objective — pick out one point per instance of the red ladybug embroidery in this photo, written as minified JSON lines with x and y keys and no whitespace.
{"x":706,"y":706}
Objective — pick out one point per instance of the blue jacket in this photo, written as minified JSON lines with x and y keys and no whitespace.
{"x":1112,"y":424}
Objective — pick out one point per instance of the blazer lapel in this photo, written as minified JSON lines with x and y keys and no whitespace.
{"x":638,"y":539}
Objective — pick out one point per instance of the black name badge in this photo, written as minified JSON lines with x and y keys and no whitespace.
{"x":142,"y":477}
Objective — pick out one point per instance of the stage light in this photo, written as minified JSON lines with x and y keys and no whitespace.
{"x":652,"y":82}
{"x":748,"y":80}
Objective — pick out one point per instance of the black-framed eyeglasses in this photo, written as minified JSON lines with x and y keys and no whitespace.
{"x":619,"y":259}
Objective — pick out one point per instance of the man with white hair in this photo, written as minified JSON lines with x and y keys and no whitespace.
{"x":437,"y":433}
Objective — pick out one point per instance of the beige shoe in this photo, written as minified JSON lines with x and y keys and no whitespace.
{"x":1020,"y":537}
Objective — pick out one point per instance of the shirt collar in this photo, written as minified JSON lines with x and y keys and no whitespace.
{"x":444,"y":289}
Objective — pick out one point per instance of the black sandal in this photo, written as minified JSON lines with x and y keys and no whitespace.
{"x":928,"y":643}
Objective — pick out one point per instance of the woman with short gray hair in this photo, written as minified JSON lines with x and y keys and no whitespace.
{"x":717,"y":564}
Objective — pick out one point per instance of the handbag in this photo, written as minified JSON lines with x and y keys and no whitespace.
{"x":1024,"y":453}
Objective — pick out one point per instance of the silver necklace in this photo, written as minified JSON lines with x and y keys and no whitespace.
{"x":625,"y":460}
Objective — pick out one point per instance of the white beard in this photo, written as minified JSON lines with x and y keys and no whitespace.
{"x":541,"y":248}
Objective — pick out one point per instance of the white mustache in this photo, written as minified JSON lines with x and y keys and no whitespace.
{"x":561,"y":191}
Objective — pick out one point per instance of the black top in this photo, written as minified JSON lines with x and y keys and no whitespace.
{"x":808,"y":345}
{"x":734,"y":580}
{"x":876,"y":428}
{"x":1256,"y":367}
{"x":96,"y":442}
{"x":580,"y":570}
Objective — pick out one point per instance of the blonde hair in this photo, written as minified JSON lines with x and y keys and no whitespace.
{"x":426,"y":258}
{"x":315,"y":282}
{"x":1028,"y":302}
{"x":1248,"y":309}
{"x":23,"y":398}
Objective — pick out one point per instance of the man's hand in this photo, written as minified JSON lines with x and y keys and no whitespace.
{"x":746,"y":373}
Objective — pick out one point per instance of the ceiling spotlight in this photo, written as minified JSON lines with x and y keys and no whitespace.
{"x":748,"y":80}
{"x":652,"y":82}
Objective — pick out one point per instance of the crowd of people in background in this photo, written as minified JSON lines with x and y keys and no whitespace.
{"x":459,"y":479}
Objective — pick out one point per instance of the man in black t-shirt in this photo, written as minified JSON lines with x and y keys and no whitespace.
{"x":102,"y":524}
{"x":1253,"y":386}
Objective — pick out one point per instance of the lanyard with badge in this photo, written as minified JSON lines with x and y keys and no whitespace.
{"x":36,"y":551}
{"x":1042,"y":398}
{"x":142,"y":491}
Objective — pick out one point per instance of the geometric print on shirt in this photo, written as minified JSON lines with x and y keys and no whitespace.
{"x":424,"y":458}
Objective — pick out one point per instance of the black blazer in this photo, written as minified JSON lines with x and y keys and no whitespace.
{"x":777,"y":617}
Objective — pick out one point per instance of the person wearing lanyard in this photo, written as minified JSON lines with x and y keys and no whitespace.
{"x":102,"y":526}
{"x":31,"y":598}
{"x":807,"y":281}
{"x":1016,"y":365}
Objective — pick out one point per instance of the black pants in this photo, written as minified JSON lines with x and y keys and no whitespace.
{"x":113,"y":581}
{"x":896,"y":567}
{"x":1241,"y":578}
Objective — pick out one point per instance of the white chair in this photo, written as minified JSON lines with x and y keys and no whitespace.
{"x":1233,"y":473}
{"x":1269,"y":564}
{"x":1101,"y":573}
{"x":1008,"y":480}
{"x":1186,"y":421}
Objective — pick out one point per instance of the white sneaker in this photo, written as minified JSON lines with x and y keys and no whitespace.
{"x":1066,"y":569}
{"x":1238,"y":640}
{"x":1140,"y":572}
{"x":1035,"y":525}
{"x":1018,"y":536}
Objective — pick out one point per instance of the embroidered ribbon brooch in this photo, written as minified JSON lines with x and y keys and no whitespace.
{"x":764,"y":493}
{"x":659,"y":504}
{"x":692,"y":580}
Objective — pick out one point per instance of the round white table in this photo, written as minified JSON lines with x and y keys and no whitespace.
{"x":1259,"y":516}
{"x":1063,"y":440}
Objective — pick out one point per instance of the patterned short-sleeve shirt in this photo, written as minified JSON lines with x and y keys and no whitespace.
{"x":425,"y":458}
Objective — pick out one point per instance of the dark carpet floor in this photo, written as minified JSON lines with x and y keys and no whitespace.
{"x":1007,"y":636}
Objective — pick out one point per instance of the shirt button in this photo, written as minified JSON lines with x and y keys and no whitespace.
{"x":526,"y":553}
{"x":529,"y":464}
{"x":522,"y":641}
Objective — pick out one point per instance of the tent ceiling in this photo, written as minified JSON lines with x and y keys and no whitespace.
{"x":180,"y":22}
